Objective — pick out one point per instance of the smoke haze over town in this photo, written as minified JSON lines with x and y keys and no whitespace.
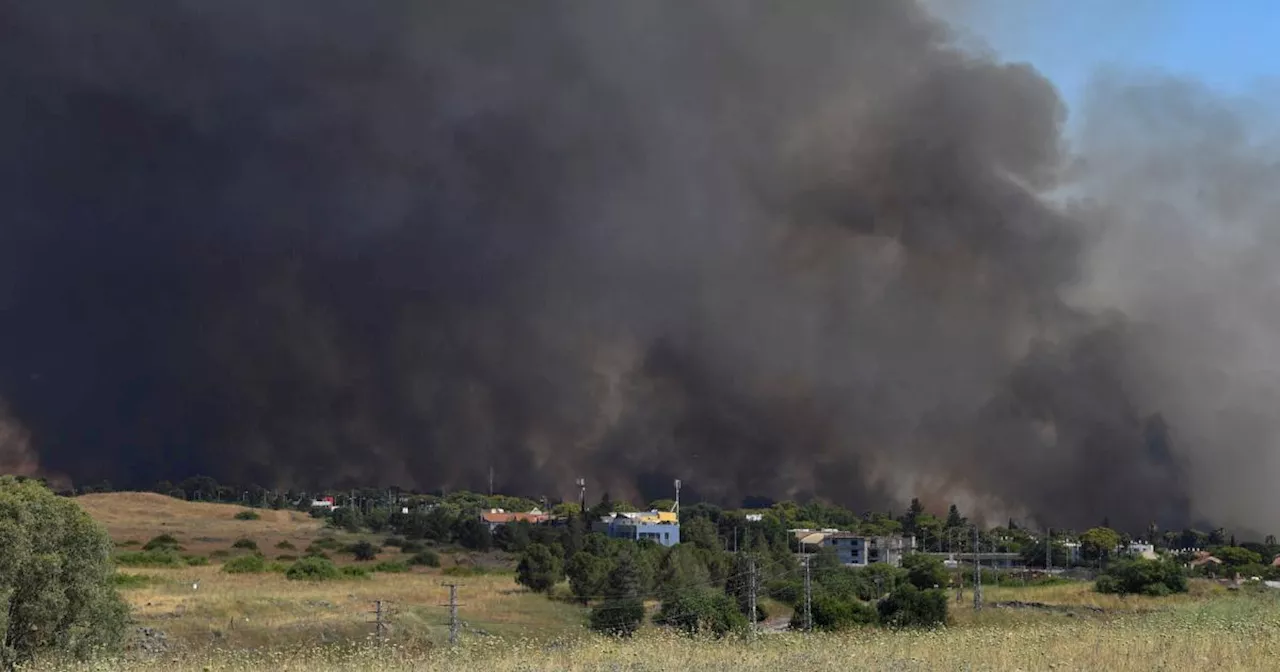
{"x":777,"y":249}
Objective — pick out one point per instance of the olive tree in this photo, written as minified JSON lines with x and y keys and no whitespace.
{"x":55,"y":576}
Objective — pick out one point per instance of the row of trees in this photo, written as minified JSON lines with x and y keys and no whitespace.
{"x":933,"y":533}
{"x":703,"y":588}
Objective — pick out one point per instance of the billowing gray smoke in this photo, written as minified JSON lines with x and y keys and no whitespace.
{"x":770,"y":248}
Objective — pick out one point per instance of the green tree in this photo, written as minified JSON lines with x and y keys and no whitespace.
{"x":472,"y":533}
{"x":55,"y":576}
{"x":681,"y":569}
{"x":925,"y":571}
{"x":622,"y":610}
{"x":1099,"y":542}
{"x":700,"y":610}
{"x":701,"y":533}
{"x":587,"y":574}
{"x":1234,"y":557}
{"x":954,"y":519}
{"x":912,"y":517}
{"x":539,"y":569}
{"x":908,"y":607}
{"x":1141,"y":576}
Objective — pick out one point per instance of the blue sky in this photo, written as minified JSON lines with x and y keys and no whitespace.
{"x":1232,"y":46}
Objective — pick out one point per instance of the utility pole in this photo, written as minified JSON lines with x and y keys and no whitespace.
{"x":808,"y":596}
{"x":453,"y":612}
{"x":977,"y":571}
{"x":582,"y":494}
{"x":751,"y":596}
{"x":379,"y":625}
{"x":1048,"y":551}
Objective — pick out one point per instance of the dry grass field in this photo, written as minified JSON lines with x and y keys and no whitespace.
{"x":264,"y":621}
{"x":202,"y":527}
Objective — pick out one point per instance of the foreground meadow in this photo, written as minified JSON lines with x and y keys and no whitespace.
{"x":1238,"y":632}
{"x":263,"y":622}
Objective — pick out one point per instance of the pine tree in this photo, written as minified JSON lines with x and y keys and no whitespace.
{"x":954,"y":519}
{"x":622,"y":610}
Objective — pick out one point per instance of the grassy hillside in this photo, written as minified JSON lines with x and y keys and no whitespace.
{"x":202,"y":527}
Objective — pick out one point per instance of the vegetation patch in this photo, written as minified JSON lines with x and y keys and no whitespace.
{"x":248,"y":515}
{"x":245,"y":544}
{"x":245,"y":564}
{"x":312,"y":568}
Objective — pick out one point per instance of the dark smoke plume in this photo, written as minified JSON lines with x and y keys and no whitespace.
{"x":768,"y":248}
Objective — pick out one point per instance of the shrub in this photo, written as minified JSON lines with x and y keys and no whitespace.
{"x":910,"y":607}
{"x":312,"y":568}
{"x":126,"y":581}
{"x":130,"y":543}
{"x":391,"y":567}
{"x":285,"y":545}
{"x":278,"y":567}
{"x":1142,"y":577}
{"x":162,"y":542}
{"x":195,"y":560}
{"x":248,"y":515}
{"x":57,"y":576}
{"x":325,"y":544}
{"x":393,"y":542}
{"x":539,"y":569}
{"x":286,"y":558}
{"x":245,"y":564}
{"x":353,"y":572}
{"x":220,"y":554}
{"x":425,"y":558}
{"x":925,"y":571}
{"x":701,"y":610}
{"x":412,"y":547}
{"x":363,"y":551}
{"x":247,"y":544}
{"x":831,"y":613}
{"x":166,"y":558}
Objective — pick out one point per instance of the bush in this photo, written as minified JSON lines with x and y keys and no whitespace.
{"x":910,"y":607}
{"x":925,"y":571}
{"x":245,"y":564}
{"x":353,"y":572}
{"x":247,"y":544}
{"x":166,"y":558}
{"x":220,"y":554}
{"x":195,"y":560}
{"x":1140,"y":576}
{"x":831,"y":613}
{"x":286,"y":558}
{"x":278,"y":567}
{"x":57,"y":576}
{"x":162,"y":542}
{"x":125,"y":581}
{"x":363,"y":551}
{"x":393,"y":542}
{"x":539,"y":569}
{"x":130,"y":543}
{"x":285,"y":545}
{"x":248,"y":515}
{"x":391,"y":567}
{"x":412,"y":547}
{"x":425,"y":558}
{"x":701,"y":611}
{"x":312,"y":568}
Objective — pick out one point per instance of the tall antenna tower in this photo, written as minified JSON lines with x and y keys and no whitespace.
{"x":676,"y":507}
{"x":582,"y":493}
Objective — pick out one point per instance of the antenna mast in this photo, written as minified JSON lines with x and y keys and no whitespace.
{"x":676,"y":508}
